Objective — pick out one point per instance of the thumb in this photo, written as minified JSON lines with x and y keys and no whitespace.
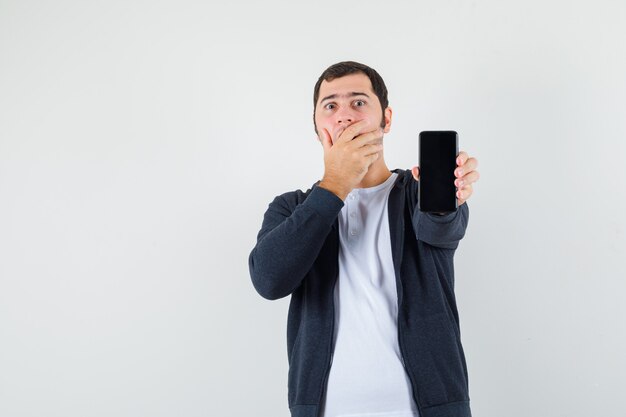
{"x":416,"y":173}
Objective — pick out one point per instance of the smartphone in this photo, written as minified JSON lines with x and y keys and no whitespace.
{"x":437,"y":161}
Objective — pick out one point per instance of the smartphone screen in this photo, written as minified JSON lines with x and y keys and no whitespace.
{"x":437,"y":161}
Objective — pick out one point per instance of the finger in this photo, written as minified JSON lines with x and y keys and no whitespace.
{"x":461,"y":158}
{"x":464,"y":194}
{"x":372,"y":158}
{"x":470,"y":165}
{"x":325,"y":139}
{"x":468,"y":178}
{"x":416,"y":173}
{"x":372,"y":137}
{"x":353,"y":131}
{"x":370,"y":149}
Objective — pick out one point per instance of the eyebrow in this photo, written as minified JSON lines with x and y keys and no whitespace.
{"x":352,"y":94}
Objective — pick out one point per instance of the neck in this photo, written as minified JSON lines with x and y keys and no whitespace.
{"x":376,"y":174}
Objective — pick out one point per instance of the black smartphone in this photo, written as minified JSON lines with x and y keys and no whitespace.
{"x":437,"y":161}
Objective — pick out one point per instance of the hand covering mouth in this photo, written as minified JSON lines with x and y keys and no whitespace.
{"x":338,"y":133}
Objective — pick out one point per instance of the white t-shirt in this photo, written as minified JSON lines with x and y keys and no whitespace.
{"x":367,"y":378}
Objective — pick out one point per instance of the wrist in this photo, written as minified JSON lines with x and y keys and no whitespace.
{"x":334,"y":188}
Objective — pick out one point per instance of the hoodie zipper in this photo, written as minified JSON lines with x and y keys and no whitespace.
{"x":330,"y":345}
{"x":406,"y":370}
{"x":400,"y":291}
{"x":400,"y":341}
{"x":330,"y":362}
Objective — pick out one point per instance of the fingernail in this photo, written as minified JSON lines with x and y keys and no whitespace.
{"x":460,"y":172}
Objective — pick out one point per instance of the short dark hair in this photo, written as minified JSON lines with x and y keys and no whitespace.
{"x":344,"y":68}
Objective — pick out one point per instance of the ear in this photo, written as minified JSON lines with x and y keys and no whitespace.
{"x":388,"y":113}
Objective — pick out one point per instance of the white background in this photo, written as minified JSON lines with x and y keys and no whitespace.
{"x":141,"y":142}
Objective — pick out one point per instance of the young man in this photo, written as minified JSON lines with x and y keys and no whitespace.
{"x":372,"y":328}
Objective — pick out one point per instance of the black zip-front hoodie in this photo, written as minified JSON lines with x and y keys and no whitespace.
{"x":297,"y":253}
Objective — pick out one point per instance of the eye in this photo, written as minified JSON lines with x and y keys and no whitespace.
{"x":329,"y":106}
{"x":359,"y":103}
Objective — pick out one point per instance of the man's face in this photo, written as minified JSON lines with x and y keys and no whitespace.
{"x":347,"y":100}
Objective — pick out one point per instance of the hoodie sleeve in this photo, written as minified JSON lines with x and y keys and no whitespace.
{"x":290,"y":240}
{"x":442,"y":231}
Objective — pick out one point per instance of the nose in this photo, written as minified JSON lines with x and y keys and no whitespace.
{"x":345,"y":120}
{"x":345,"y":117}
